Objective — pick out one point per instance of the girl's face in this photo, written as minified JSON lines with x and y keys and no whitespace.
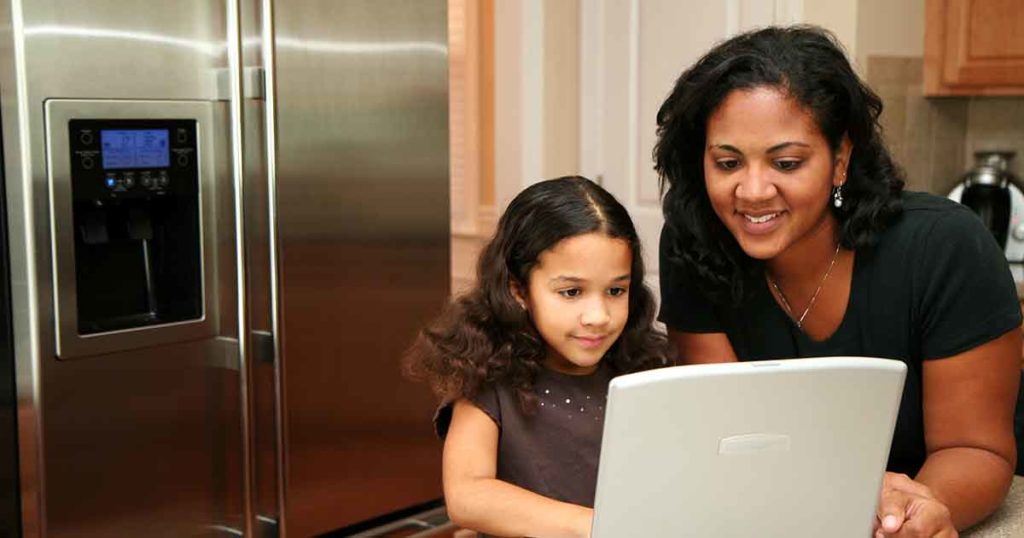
{"x":578,"y":298}
{"x":769,"y":171}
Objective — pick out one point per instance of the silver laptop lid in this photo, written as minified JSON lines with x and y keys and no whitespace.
{"x":774,"y":448}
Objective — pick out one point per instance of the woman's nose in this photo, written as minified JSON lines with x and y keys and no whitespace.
{"x":755,"y":184}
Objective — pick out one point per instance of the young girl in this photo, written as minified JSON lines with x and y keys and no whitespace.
{"x":523,"y":361}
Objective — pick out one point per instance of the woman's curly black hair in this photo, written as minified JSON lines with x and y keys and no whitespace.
{"x":486,"y":337}
{"x":809,"y":65}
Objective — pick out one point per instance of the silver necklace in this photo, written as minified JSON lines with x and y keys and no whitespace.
{"x":785,"y":304}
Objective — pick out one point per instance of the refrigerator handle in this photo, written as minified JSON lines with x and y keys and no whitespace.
{"x":235,"y":74}
{"x":269,"y":54}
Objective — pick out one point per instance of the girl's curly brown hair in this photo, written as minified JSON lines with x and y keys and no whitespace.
{"x":486,"y":337}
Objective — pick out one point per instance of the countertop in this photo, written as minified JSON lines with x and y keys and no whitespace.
{"x":1017,"y":270}
{"x":1007,"y":521}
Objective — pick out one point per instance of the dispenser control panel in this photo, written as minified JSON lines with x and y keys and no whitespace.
{"x":131,"y":190}
{"x":113,"y":159}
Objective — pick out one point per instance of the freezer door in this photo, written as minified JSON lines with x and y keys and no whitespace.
{"x":131,"y":433}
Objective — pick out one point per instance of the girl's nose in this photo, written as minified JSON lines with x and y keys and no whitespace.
{"x":596,"y":314}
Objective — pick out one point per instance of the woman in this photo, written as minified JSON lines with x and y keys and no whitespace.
{"x":788,"y":234}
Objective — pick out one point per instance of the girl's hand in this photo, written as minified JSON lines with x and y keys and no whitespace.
{"x":908,"y":509}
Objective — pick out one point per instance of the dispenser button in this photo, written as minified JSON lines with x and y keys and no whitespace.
{"x":1018,"y":232}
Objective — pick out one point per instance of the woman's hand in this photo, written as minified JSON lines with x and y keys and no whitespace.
{"x":584,"y":520}
{"x":909,"y":509}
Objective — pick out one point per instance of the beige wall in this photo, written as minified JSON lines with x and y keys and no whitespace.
{"x":889,"y":28}
{"x":871,"y":27}
{"x":839,"y":16}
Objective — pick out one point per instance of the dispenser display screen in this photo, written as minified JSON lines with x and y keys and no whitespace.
{"x":135,"y":148}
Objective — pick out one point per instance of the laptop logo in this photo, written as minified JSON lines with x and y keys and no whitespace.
{"x":753,"y":443}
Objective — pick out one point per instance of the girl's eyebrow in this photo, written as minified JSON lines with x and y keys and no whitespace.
{"x":575,"y":279}
{"x":725,"y":147}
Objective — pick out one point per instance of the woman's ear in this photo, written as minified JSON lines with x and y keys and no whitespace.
{"x":842,"y":163}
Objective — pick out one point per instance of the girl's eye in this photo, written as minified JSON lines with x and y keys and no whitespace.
{"x":727,"y":164}
{"x":615,"y":292}
{"x":571,"y":292}
{"x":788,"y":165}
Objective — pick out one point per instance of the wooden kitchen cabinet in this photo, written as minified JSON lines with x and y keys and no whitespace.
{"x":974,"y":47}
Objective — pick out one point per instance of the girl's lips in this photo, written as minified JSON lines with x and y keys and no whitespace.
{"x":763,"y":224}
{"x":589,"y":341}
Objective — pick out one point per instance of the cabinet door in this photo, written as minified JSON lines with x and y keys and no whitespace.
{"x":974,"y":47}
{"x":631,"y":54}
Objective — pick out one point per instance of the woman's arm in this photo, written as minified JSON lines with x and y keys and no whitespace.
{"x":968,"y":418}
{"x":477,"y":500}
{"x":702,"y":348}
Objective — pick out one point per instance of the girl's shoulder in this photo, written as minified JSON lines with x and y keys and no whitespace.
{"x":488,"y":399}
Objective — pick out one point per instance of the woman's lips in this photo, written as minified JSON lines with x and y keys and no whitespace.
{"x":761,"y":223}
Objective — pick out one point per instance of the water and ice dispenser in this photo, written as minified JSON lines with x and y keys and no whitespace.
{"x":129,"y":185}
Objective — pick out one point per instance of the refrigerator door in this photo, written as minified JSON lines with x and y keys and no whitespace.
{"x":361,"y":204}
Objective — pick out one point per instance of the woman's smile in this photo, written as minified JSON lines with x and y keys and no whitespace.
{"x":761,"y":223}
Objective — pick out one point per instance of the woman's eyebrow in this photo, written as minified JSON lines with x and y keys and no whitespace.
{"x":776,"y":147}
{"x":785,"y":145}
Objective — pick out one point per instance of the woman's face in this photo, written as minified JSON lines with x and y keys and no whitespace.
{"x":769,"y":172}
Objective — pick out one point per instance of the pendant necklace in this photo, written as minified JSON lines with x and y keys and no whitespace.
{"x":785,"y":304}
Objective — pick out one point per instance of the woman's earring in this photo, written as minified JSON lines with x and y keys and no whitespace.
{"x":837,"y":196}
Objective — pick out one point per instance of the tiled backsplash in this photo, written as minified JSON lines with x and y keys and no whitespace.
{"x":934,"y":139}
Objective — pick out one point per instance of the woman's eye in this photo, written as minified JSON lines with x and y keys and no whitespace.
{"x":571,"y":292}
{"x":615,"y":292}
{"x":788,"y":165}
{"x":727,"y":164}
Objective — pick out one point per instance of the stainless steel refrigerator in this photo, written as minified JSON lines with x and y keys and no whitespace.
{"x":223,"y":223}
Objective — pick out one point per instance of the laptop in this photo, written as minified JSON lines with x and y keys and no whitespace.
{"x":788,"y":448}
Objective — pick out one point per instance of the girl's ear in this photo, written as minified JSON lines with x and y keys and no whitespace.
{"x":516,"y":289}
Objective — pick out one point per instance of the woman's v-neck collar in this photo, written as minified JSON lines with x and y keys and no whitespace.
{"x":851,"y":304}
